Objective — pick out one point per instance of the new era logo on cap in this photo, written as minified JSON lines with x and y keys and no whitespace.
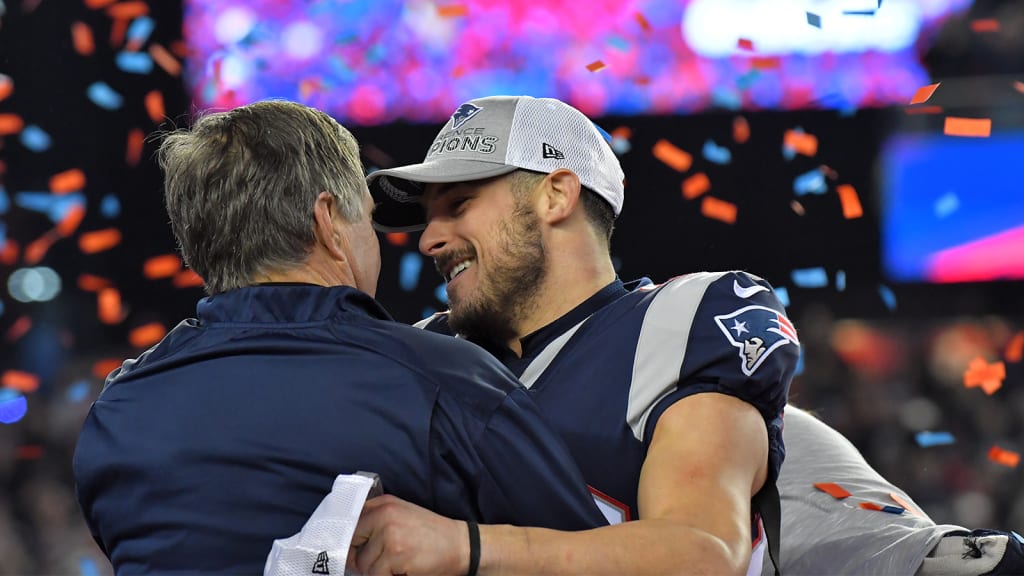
{"x":550,"y":151}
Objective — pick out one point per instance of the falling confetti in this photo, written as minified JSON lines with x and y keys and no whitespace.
{"x":970,"y":127}
{"x":924,"y":93}
{"x":983,"y":25}
{"x":596,"y":66}
{"x":718,"y":210}
{"x":696,"y":185}
{"x":1003,"y":457}
{"x":814,"y":20}
{"x":850,"y":201}
{"x":832,"y":489}
{"x":929,"y":439}
{"x":989,"y":377}
{"x":672,"y":156}
{"x":452,"y":11}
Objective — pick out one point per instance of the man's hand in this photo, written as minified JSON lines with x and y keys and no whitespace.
{"x":397,"y":537}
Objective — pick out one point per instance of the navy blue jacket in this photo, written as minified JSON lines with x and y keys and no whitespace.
{"x":229,"y":432}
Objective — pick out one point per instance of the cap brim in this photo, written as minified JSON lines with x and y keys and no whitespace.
{"x":397,"y":190}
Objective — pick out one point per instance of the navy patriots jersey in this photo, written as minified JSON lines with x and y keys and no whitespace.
{"x":229,"y":432}
{"x":605,"y":372}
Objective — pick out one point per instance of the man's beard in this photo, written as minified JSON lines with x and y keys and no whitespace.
{"x":501,"y":301}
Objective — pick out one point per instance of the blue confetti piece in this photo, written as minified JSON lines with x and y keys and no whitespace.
{"x":727,"y":98}
{"x":812,"y":182}
{"x":946,"y":205}
{"x":35,"y":138}
{"x":78,"y":391}
{"x":814,"y":20}
{"x":409,"y":271}
{"x":714,"y":153}
{"x":604,"y":133}
{"x":104,"y":96}
{"x":926,"y":439}
{"x":441,"y":293}
{"x":893,"y":509}
{"x":1017,"y":536}
{"x":135,"y":62}
{"x":110,"y":206}
{"x":56,"y":207}
{"x":87,"y":567}
{"x":747,"y":79}
{"x":841,"y":280}
{"x":887,"y":296}
{"x":620,"y":146}
{"x":782,"y":293}
{"x":5,"y":201}
{"x":140,"y":29}
{"x":619,"y":42}
{"x":810,"y":277}
{"x":13,"y":406}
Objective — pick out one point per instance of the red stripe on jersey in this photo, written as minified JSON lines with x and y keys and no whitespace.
{"x":787,"y":328}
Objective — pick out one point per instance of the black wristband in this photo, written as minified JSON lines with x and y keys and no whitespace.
{"x":474,"y":547}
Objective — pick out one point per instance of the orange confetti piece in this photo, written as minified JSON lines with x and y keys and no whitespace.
{"x":67,"y":181}
{"x":164,"y":266}
{"x":180,"y":49}
{"x":797,"y":207}
{"x":99,"y":240}
{"x":91,"y":283}
{"x":870,"y":506}
{"x":982,"y":25}
{"x":20,"y":327}
{"x":596,"y":66}
{"x":81,"y":38}
{"x":108,"y":306}
{"x":117,"y":31}
{"x":36,"y":251}
{"x":766,"y":62}
{"x":133,"y":151}
{"x":9,"y":252}
{"x":29,"y":452}
{"x":6,"y":87}
{"x":622,"y":132}
{"x":102,"y":368}
{"x":165,"y":59}
{"x":696,"y":185}
{"x":71,"y":221}
{"x":718,"y":210}
{"x":397,"y":238}
{"x":147,"y":334}
{"x":458,"y":72}
{"x":642,"y":21}
{"x":642,"y":80}
{"x":971,"y":127}
{"x":801,"y":142}
{"x":1004,"y":457}
{"x":904,"y":504}
{"x":924,"y":93}
{"x":187,"y":279}
{"x":10,"y":124}
{"x":127,"y":10}
{"x":1018,"y":86}
{"x":989,"y":377}
{"x":97,"y":4}
{"x":924,"y":110}
{"x":745,"y":44}
{"x":155,"y":106}
{"x":20,"y":381}
{"x":832,"y":489}
{"x":740,"y":129}
{"x":672,"y":156}
{"x":850,"y":201}
{"x":452,"y":10}
{"x":1015,"y":349}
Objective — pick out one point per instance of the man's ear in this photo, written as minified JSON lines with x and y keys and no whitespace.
{"x":562,"y":190}
{"x":325,"y":231}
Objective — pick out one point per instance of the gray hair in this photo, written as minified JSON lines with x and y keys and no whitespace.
{"x":240,"y":187}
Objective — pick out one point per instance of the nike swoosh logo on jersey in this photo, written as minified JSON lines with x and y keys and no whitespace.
{"x":747,"y":292}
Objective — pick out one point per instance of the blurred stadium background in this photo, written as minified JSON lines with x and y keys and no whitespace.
{"x":775,"y":136}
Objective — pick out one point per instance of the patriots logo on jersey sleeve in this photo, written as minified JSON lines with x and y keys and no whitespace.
{"x":757,"y":331}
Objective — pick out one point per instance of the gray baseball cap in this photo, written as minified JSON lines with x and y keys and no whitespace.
{"x":496,"y":135}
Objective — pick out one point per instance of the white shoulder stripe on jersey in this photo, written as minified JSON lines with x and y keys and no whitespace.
{"x":662,"y":344}
{"x":544,"y":359}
